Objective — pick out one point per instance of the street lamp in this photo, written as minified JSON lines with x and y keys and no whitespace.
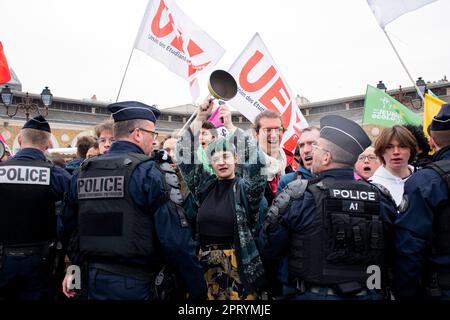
{"x":403,"y":98}
{"x":381,"y":86}
{"x":421,"y":85}
{"x":26,"y":106}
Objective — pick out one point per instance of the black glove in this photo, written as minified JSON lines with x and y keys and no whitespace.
{"x":161,"y":156}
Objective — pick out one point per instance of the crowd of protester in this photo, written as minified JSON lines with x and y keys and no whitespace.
{"x":239,"y":217}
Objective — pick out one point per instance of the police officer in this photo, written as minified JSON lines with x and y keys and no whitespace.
{"x":422,"y":236}
{"x":332,"y":228}
{"x":29,"y":187}
{"x":128,"y":227}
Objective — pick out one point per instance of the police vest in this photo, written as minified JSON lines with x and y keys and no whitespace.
{"x":110,"y":223}
{"x":28,"y":202}
{"x":441,"y":223}
{"x":345,"y":237}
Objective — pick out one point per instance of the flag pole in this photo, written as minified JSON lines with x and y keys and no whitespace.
{"x":124,"y":74}
{"x":404,"y":66}
{"x":189,"y":120}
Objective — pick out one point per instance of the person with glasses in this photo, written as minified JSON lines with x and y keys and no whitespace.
{"x":128,"y":228}
{"x":269,"y":133}
{"x":366,"y":164}
{"x":104,"y":134}
{"x":334,"y":228}
{"x":228,"y":207}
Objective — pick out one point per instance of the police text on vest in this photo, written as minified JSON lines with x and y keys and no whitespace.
{"x":353,"y":194}
{"x":25,"y":175}
{"x":101,"y":187}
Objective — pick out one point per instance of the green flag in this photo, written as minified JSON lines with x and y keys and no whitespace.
{"x":381,"y":109}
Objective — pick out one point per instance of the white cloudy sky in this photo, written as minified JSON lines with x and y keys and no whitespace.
{"x":325,"y":49}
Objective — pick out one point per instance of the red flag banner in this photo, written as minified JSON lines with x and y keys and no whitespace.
{"x":261,"y":86}
{"x":5,"y":76}
{"x":169,"y":36}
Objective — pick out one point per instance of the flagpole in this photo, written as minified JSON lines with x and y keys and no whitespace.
{"x":404,"y":66}
{"x":124,"y":74}
{"x":189,"y":120}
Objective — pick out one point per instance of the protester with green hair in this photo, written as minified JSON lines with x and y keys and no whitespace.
{"x":228,"y":208}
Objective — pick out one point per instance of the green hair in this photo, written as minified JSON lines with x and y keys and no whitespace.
{"x":217,"y":145}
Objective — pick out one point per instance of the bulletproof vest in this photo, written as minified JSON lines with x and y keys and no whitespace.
{"x":28,"y":202}
{"x":110,"y":223}
{"x":440,"y":243}
{"x":345,"y":237}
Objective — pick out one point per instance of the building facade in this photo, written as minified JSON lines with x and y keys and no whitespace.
{"x":70,"y":119}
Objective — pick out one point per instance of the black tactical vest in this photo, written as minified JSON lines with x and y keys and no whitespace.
{"x":441,"y":223}
{"x":345,"y":238}
{"x":28,"y":213}
{"x":110,"y":223}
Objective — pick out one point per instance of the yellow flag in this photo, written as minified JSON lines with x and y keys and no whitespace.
{"x":432,"y":107}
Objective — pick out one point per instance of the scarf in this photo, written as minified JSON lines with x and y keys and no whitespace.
{"x":274,"y":166}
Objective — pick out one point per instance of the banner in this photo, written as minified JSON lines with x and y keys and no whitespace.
{"x":261,"y":86}
{"x":430,"y":109}
{"x":386,"y":11}
{"x":5,"y":75}
{"x":381,"y":109}
{"x":169,"y":36}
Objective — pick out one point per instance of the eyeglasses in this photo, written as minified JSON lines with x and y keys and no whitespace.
{"x":154,"y":134}
{"x":272,"y":130}
{"x":103,"y":140}
{"x":370,"y":157}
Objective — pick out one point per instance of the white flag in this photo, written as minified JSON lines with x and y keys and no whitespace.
{"x":262,"y":87}
{"x":386,"y":11}
{"x":170,"y":37}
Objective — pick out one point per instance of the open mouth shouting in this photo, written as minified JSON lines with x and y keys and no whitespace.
{"x":308,"y":160}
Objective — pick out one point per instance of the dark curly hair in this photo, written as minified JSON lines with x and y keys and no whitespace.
{"x":422,"y":157}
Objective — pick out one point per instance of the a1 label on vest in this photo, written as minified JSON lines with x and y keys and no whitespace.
{"x":352,"y":206}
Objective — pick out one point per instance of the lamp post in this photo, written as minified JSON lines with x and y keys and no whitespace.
{"x":381,"y":86}
{"x":421,"y":85}
{"x":407,"y":100}
{"x":27,"y":105}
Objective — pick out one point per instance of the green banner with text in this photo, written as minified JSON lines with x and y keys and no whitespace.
{"x":381,"y":109}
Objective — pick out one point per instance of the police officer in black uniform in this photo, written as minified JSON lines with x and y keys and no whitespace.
{"x":128,"y":226}
{"x":29,"y":187}
{"x":422,"y":230}
{"x":333,"y":229}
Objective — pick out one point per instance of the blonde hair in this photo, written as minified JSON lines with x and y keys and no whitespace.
{"x":36,"y":138}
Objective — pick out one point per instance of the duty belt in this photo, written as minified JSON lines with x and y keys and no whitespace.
{"x":130,"y":271}
{"x":21,"y":251}
{"x":303,"y":287}
{"x":332,"y":292}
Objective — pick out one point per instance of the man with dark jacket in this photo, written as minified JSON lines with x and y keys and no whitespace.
{"x":30,"y":185}
{"x":129,"y":227}
{"x":334,"y":229}
{"x":422,"y":237}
